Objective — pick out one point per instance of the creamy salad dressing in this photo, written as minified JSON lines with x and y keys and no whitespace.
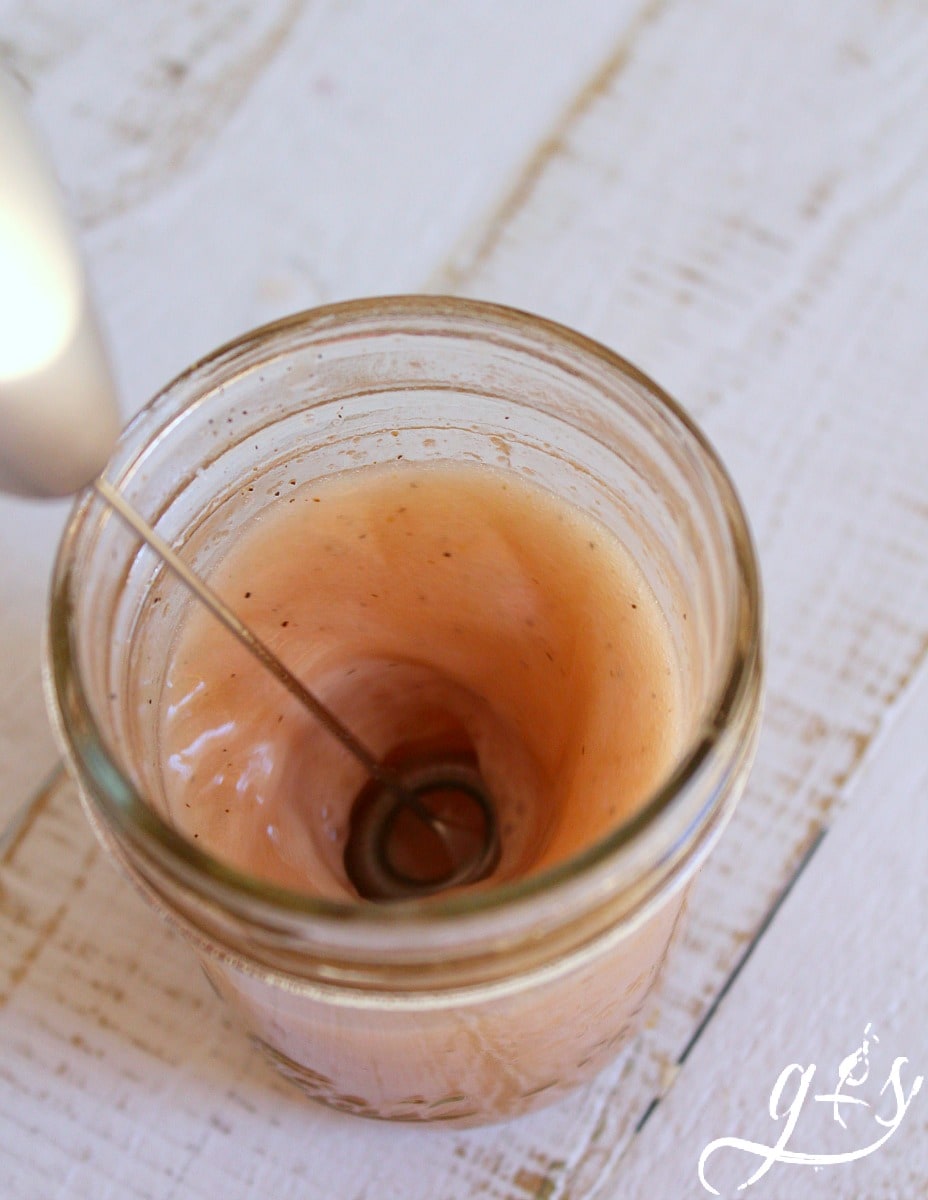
{"x":435,"y":608}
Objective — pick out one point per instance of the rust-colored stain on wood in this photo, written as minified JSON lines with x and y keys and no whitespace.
{"x":536,"y":1186}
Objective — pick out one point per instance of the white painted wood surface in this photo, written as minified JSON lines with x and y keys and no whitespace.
{"x":734,"y":196}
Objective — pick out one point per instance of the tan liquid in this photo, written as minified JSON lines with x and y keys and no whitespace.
{"x":435,"y":609}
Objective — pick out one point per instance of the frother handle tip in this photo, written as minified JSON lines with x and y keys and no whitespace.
{"x":59,"y":418}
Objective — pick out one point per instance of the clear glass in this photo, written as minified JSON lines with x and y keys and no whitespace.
{"x":461,"y":1008}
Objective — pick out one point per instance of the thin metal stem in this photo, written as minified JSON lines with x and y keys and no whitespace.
{"x":221,"y":611}
{"x":388,"y":779}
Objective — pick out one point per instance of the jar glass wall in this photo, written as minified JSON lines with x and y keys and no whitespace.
{"x":461,"y":1007}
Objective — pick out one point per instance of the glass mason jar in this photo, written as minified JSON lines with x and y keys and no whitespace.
{"x":475,"y":1006}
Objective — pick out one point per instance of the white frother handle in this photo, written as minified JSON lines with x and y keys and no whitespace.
{"x":59,"y":419}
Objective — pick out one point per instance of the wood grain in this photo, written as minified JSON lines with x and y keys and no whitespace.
{"x":804,"y":1001}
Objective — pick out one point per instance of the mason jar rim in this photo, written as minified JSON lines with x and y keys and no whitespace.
{"x":121,"y":804}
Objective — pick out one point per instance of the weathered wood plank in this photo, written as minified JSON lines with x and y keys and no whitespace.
{"x":807,"y":998}
{"x":730,"y":216}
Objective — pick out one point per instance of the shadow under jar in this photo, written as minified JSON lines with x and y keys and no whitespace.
{"x":491,"y":1000}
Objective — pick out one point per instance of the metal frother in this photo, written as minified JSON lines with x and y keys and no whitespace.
{"x":59,"y":422}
